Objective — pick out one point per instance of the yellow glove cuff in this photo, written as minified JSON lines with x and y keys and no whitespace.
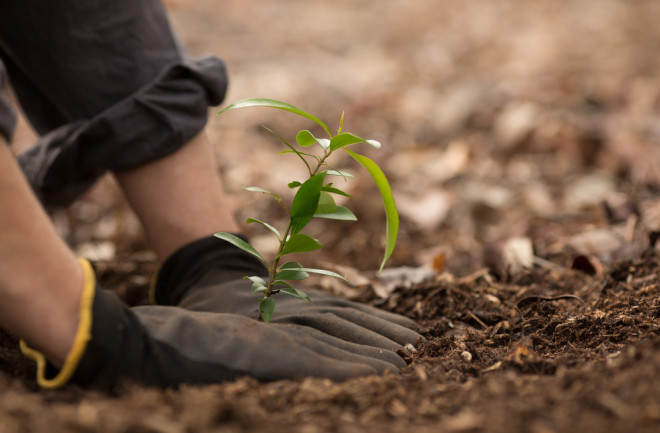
{"x":83,"y":335}
{"x":152,"y":287}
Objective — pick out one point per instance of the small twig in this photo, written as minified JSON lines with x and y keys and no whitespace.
{"x":538,"y":261}
{"x":644,"y":279}
{"x":544,"y":298}
{"x":478,"y":320}
{"x":631,"y":224}
{"x":481,"y":273}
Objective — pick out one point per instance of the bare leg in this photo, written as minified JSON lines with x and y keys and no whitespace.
{"x":40,"y":279}
{"x":179,"y":198}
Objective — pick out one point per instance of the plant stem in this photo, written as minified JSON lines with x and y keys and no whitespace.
{"x":321,"y":162}
{"x":273,"y":269}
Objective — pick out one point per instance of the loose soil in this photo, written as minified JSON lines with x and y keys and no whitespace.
{"x":521,"y":140}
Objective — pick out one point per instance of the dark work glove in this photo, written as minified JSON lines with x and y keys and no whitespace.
{"x":167,"y":346}
{"x":207,"y":275}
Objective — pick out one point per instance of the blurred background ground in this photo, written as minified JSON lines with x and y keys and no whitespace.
{"x":514,"y":118}
{"x":515,"y":133}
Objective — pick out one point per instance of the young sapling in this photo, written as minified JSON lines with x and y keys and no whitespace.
{"x":313,"y":199}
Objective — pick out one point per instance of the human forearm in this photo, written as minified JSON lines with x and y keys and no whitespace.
{"x":179,"y":198}
{"x":40,"y":279}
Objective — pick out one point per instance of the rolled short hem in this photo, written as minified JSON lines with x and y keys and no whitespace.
{"x":152,"y":123}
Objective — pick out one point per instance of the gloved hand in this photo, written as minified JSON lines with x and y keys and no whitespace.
{"x":167,"y":346}
{"x":207,"y":275}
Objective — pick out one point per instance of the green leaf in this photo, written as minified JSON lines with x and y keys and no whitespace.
{"x":337,"y":191}
{"x":305,"y":202}
{"x":324,"y":143}
{"x":265,"y":224}
{"x":323,"y":272}
{"x":297,"y":152}
{"x":266,"y":308}
{"x":346,"y":139}
{"x":257,"y":280}
{"x":326,"y":204}
{"x":305,"y":138}
{"x":257,"y":189}
{"x":258,"y":284}
{"x":341,"y":213}
{"x":294,"y":184}
{"x":240,"y":243}
{"x":293,"y":149}
{"x":388,"y":200}
{"x":300,"y":243}
{"x":338,"y":173}
{"x":341,"y":123}
{"x":258,"y":288}
{"x":291,"y":274}
{"x":273,"y":103}
{"x":298,"y":294}
{"x":292,"y":291}
{"x":297,"y":266}
{"x":291,"y":265}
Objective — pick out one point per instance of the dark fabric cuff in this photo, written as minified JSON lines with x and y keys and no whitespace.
{"x":154,"y":122}
{"x":7,"y":113}
{"x":188,"y":265}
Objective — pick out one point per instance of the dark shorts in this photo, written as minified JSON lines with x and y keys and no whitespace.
{"x":106,"y":85}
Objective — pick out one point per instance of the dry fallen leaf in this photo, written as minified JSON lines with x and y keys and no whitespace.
{"x":404,"y":276}
{"x":518,"y":254}
{"x":516,"y":123}
{"x":428,"y":210}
